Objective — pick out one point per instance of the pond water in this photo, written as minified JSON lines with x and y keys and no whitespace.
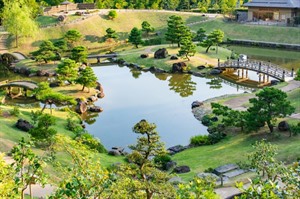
{"x":162,"y":99}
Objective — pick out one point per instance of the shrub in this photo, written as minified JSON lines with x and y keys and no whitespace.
{"x":93,"y":143}
{"x":295,"y":129}
{"x":216,"y":137}
{"x":15,"y":111}
{"x":206,"y":120}
{"x":154,"y":41}
{"x":162,"y":161}
{"x":200,"y":140}
{"x":298,"y":75}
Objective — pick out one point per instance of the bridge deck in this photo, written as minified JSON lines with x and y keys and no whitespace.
{"x":112,"y":55}
{"x":24,"y":84}
{"x":261,"y":67}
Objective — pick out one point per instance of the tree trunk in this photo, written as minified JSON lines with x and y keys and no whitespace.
{"x":82,"y":88}
{"x":149,"y":194}
{"x":44,"y":107}
{"x":207,"y":49}
{"x":51,"y":109}
{"x":17,"y":38}
{"x":187,"y":57}
{"x":270,"y":126}
{"x":217,"y":49}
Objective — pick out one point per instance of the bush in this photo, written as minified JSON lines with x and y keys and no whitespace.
{"x":295,"y":129}
{"x":154,"y":41}
{"x":162,"y":161}
{"x":298,"y":75}
{"x":200,"y":140}
{"x":15,"y":111}
{"x":215,"y":137}
{"x":74,"y":125}
{"x":93,"y":143}
{"x":206,"y":120}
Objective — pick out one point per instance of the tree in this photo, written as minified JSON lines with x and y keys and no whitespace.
{"x":298,"y":75}
{"x":87,"y":78}
{"x":110,"y":33}
{"x":214,"y":38}
{"x":42,"y":134}
{"x":146,"y":27}
{"x":135,"y":37}
{"x":72,"y":36}
{"x":17,"y":20}
{"x":204,"y":5}
{"x":142,"y":178}
{"x":7,"y":183}
{"x":67,"y":70}
{"x":61,"y":45}
{"x":201,"y":36}
{"x":187,"y":47}
{"x":112,"y":14}
{"x":269,"y":105}
{"x":79,"y":54}
{"x":45,"y":52}
{"x":28,"y":167}
{"x":175,"y":29}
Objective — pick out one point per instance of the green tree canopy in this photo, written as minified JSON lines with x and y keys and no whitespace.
{"x":175,"y":29}
{"x":135,"y":37}
{"x":112,"y":14}
{"x":87,"y":78}
{"x":61,"y":45}
{"x":67,"y":70}
{"x":146,"y":27}
{"x":110,"y":33}
{"x":187,"y":47}
{"x":72,"y":36}
{"x":45,"y":52}
{"x":200,"y":36}
{"x":79,"y":54}
{"x":269,"y":105}
{"x":214,"y":38}
{"x":17,"y":20}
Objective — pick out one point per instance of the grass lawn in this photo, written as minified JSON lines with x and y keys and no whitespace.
{"x":252,"y":32}
{"x":234,"y":149}
{"x":46,"y":20}
{"x":294,"y":98}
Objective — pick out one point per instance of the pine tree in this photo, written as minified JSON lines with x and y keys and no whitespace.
{"x":135,"y":37}
{"x":87,"y":78}
{"x":174,"y":31}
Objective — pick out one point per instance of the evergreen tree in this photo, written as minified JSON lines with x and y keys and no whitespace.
{"x":187,"y":47}
{"x":67,"y":70}
{"x":110,"y":33}
{"x":214,"y":38}
{"x":45,"y":52}
{"x":72,"y":36}
{"x":135,"y":37}
{"x":175,"y":29}
{"x":79,"y":54}
{"x":146,"y":27}
{"x":87,"y":78}
{"x":200,"y":36}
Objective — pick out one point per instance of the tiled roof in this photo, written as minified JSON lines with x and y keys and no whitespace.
{"x":274,"y":3}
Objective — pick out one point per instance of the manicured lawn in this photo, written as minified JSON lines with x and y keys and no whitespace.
{"x":46,"y":20}
{"x":294,"y":97}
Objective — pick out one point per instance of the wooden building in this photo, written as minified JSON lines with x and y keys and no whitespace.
{"x":273,"y":10}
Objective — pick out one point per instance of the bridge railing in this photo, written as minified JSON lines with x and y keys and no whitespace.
{"x":27,"y":81}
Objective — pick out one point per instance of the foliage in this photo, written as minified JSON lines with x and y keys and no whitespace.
{"x":214,"y":38}
{"x":45,"y":52}
{"x":42,"y":134}
{"x":112,"y":14}
{"x":73,"y":124}
{"x":110,"y":33}
{"x":269,"y":105}
{"x":295,"y":129}
{"x":187,"y":47}
{"x":72,"y":36}
{"x":7,"y":183}
{"x":85,"y":178}
{"x":200,"y":36}
{"x":79,"y":54}
{"x":198,"y":188}
{"x":162,"y":161}
{"x":17,"y":19}
{"x":297,"y":75}
{"x":199,"y":140}
{"x":61,"y":45}
{"x":175,"y":29}
{"x":147,"y":28}
{"x":206,"y":120}
{"x":28,"y":167}
{"x":135,"y":37}
{"x":67,"y":70}
{"x":91,"y":142}
{"x":87,"y":78}
{"x":142,"y":178}
{"x":15,"y":111}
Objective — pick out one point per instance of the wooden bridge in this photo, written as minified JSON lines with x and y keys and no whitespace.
{"x":98,"y":57}
{"x":262,"y":68}
{"x":20,"y":84}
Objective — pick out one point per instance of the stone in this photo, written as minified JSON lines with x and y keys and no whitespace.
{"x":178,"y":67}
{"x":176,"y":149}
{"x":198,"y":74}
{"x":54,"y":84}
{"x":201,"y":67}
{"x":96,"y":109}
{"x":61,"y":18}
{"x":41,"y":73}
{"x":234,"y":173}
{"x":283,"y":126}
{"x":144,"y":56}
{"x":182,"y":169}
{"x":197,"y":104}
{"x":92,"y":98}
{"x":208,"y":175}
{"x":274,"y":82}
{"x":81,"y":106}
{"x":161,"y":53}
{"x":170,"y":165}
{"x":120,"y":149}
{"x":175,"y":180}
{"x":215,"y":72}
{"x":225,"y":168}
{"x":153,"y":69}
{"x":114,"y":153}
{"x":100,"y":95}
{"x":24,"y":125}
{"x":173,"y":57}
{"x":50,"y":74}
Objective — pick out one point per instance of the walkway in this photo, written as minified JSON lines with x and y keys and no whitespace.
{"x":23,"y":84}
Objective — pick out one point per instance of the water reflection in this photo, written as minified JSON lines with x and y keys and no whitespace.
{"x":182,"y":84}
{"x":90,"y":117}
{"x":215,"y":82}
{"x":135,"y":73}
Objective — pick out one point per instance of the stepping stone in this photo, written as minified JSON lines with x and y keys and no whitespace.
{"x":225,"y":168}
{"x":234,"y":173}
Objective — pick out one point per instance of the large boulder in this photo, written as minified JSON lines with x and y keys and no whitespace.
{"x":161,"y":53}
{"x":99,"y":87}
{"x":96,"y":109}
{"x":215,"y":72}
{"x":24,"y":125}
{"x":201,"y":67}
{"x":114,"y":152}
{"x":144,"y":55}
{"x":41,"y":73}
{"x":81,"y":106}
{"x":170,"y":165}
{"x":93,"y":98}
{"x":173,"y":57}
{"x":178,"y":67}
{"x":197,"y":104}
{"x":182,"y":169}
{"x":176,"y":149}
{"x":283,"y":126}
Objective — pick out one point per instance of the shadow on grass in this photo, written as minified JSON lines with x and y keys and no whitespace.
{"x":93,"y":38}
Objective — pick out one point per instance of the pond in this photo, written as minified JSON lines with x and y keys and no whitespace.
{"x":162,"y":99}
